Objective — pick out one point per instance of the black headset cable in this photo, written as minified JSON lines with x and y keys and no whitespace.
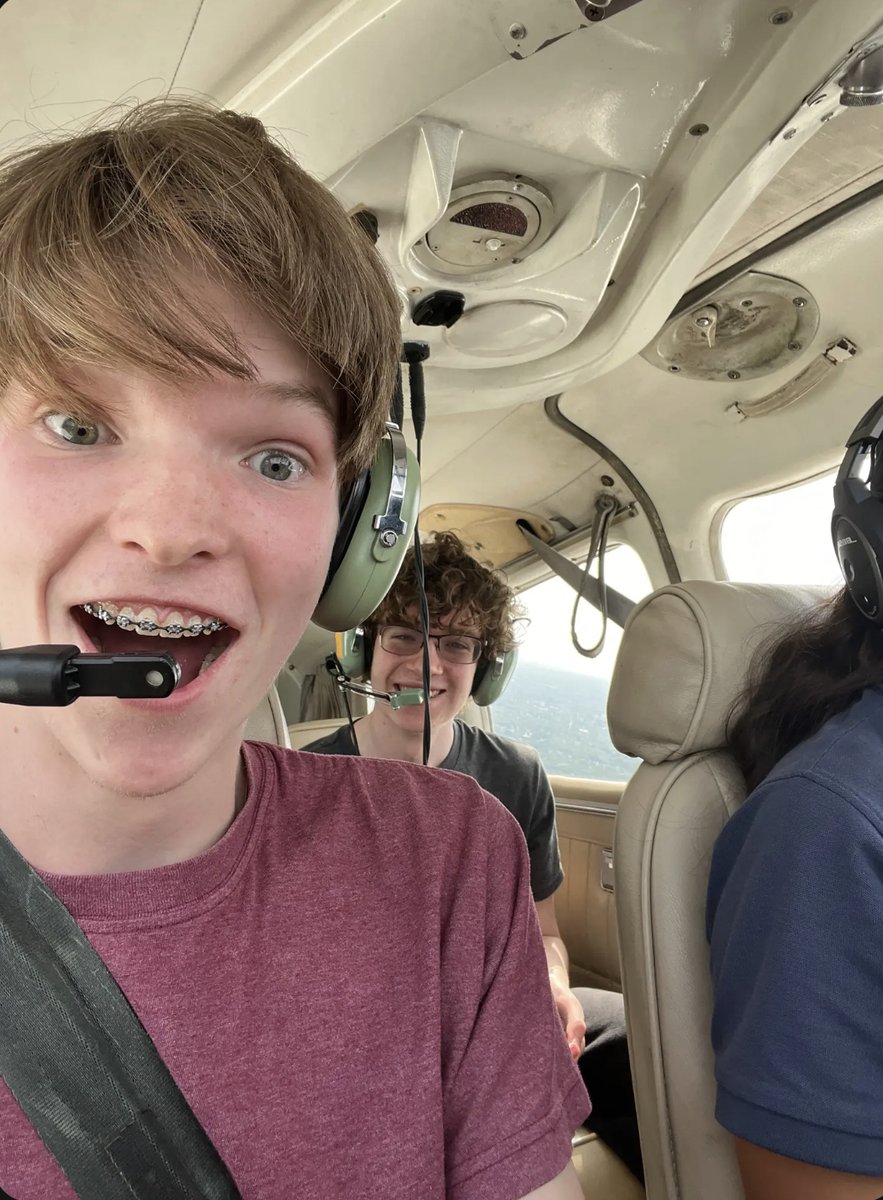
{"x":415,"y":354}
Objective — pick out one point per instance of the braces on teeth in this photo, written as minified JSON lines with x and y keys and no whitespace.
{"x":124,"y":622}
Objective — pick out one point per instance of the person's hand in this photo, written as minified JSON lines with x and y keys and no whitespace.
{"x":572,"y":1017}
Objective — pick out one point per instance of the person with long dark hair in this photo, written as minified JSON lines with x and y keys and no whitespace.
{"x":795,"y":901}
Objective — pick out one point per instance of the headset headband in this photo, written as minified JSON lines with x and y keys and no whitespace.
{"x":870,"y":427}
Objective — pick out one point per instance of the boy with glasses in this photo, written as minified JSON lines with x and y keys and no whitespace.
{"x":472,"y":618}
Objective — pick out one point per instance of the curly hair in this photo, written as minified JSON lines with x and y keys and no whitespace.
{"x":456,"y":584}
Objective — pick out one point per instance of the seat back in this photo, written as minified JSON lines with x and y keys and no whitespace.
{"x":681,"y":666}
{"x":304,"y":732}
{"x":267,"y":722}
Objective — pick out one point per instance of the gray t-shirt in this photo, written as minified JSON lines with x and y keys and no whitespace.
{"x":508,"y":770}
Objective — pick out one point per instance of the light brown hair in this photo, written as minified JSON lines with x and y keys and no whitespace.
{"x":456,"y":585}
{"x":106,"y":238}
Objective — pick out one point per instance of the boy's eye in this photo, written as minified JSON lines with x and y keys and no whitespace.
{"x":277,"y":465}
{"x":73,"y":429}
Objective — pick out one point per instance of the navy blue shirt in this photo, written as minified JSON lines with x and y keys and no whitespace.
{"x":795,"y":922}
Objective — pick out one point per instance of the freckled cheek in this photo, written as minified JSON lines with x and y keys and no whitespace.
{"x":38,"y":537}
{"x":41,"y":523}
{"x":295,"y":554}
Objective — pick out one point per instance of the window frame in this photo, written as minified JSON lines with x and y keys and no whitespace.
{"x":723,"y":511}
{"x":536,"y":578}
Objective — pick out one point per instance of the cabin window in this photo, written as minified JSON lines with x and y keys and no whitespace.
{"x":782,"y":537}
{"x":557,"y":699}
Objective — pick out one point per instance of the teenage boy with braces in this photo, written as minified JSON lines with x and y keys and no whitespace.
{"x":197,"y":354}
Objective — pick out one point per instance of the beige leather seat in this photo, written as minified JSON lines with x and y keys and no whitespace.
{"x":310,"y":731}
{"x":267,"y":722}
{"x":681,"y":665}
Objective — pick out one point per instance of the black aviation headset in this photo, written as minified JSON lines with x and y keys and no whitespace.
{"x":354,"y":649}
{"x":857,"y":523}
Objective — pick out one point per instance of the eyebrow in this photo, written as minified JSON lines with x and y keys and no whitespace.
{"x":301,"y":393}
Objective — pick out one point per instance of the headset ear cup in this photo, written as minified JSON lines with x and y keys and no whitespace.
{"x":857,"y":520}
{"x":860,"y":567}
{"x":350,"y":652}
{"x":366,"y":567}
{"x":492,"y":678}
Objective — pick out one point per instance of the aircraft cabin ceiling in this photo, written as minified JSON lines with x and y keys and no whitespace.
{"x":549,"y":181}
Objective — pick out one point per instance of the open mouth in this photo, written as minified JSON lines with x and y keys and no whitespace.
{"x":195,"y":640}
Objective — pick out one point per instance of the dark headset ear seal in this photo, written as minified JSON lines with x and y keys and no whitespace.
{"x":351,"y":507}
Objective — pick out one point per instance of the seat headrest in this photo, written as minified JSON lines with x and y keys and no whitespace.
{"x":684,"y":661}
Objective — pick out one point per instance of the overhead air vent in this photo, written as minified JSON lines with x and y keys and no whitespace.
{"x":747,"y":329}
{"x":487,"y":225}
{"x":507,"y":329}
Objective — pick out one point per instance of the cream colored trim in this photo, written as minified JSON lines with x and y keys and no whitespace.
{"x":593,"y":791}
{"x":597,"y":810}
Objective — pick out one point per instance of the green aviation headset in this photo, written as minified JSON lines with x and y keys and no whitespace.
{"x":377,"y":517}
{"x":353,"y":650}
{"x":376,"y":520}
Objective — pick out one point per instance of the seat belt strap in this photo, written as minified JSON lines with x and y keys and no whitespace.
{"x":82,"y":1066}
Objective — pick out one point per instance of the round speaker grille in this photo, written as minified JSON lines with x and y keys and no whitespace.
{"x":487,"y":225}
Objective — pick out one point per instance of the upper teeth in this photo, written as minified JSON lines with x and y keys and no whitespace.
{"x":144,"y":620}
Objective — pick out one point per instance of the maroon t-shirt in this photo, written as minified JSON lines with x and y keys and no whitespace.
{"x":349,"y":988}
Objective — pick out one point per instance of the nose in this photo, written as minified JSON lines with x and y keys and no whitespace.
{"x":436,"y":662}
{"x":172,"y":510}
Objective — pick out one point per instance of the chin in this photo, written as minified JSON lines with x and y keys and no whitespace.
{"x":412,"y":718}
{"x":144,"y":781}
{"x":138,"y":757}
{"x":145,"y":771}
